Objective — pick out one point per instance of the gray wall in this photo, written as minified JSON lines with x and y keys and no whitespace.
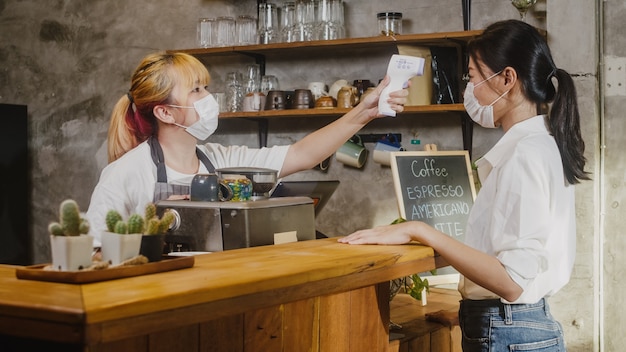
{"x":70,"y":61}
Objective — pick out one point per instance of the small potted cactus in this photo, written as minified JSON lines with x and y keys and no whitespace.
{"x":122,"y":239}
{"x":70,"y":245}
{"x":153,"y":239}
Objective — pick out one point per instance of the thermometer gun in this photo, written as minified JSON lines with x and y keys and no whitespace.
{"x":401,"y":68}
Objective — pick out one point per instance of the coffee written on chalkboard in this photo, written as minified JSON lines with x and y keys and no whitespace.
{"x":436,"y":187}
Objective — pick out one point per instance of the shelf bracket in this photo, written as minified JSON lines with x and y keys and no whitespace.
{"x":467,"y":130}
{"x":263,"y":129}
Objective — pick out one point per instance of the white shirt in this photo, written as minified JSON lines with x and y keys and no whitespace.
{"x":127,"y":184}
{"x":524,"y":213}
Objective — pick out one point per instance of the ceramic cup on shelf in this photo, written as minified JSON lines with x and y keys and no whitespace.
{"x":318,"y":89}
{"x":346,"y":97}
{"x":275,"y":100}
{"x":303,"y":99}
{"x":352,"y":152}
{"x":382,"y":151}
{"x":254,"y":101}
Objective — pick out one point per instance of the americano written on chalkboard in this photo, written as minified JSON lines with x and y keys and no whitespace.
{"x":436,"y":187}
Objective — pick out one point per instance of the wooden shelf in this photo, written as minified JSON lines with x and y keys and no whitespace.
{"x":441,"y":39}
{"x":408,"y":110}
{"x":348,"y":46}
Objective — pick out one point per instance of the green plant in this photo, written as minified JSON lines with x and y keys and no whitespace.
{"x":112,"y":219}
{"x":417,"y":286}
{"x":70,"y":222}
{"x":156,"y":226}
{"x":116,"y":224}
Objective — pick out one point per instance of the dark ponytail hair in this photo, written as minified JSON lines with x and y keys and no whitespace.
{"x":518,"y":45}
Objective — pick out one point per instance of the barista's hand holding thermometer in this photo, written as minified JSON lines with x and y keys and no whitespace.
{"x":401,"y":68}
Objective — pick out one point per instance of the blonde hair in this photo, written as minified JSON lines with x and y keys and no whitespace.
{"x":132,"y":119}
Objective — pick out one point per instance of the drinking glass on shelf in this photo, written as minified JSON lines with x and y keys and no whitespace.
{"x":234,"y":92}
{"x":304,"y":29}
{"x":522,"y":7}
{"x":269,"y":82}
{"x":252,"y":79}
{"x":246,"y":30}
{"x":338,"y":18}
{"x":225,"y":31}
{"x":288,"y":22}
{"x":268,"y":26}
{"x":206,"y":32}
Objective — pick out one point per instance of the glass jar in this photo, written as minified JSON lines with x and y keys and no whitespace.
{"x":389,"y":23}
{"x":234,"y":92}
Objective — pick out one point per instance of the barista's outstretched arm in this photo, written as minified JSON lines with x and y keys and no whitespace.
{"x":319,"y":145}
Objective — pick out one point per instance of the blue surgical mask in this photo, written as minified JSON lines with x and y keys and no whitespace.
{"x":208,"y":110}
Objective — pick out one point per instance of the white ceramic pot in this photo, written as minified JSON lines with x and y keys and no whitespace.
{"x":116,"y":247}
{"x":71,"y":253}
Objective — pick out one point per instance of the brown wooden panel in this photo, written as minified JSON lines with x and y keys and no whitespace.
{"x":180,"y":339}
{"x":301,"y":326}
{"x":440,"y":340}
{"x":335,"y":322}
{"x":135,"y":344}
{"x":224,"y":334}
{"x":420,"y":344}
{"x":262,"y":329}
{"x":366,"y":324}
{"x":382,"y":297}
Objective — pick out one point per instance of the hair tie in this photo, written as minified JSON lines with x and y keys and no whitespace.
{"x":552,"y":73}
{"x":130,"y":97}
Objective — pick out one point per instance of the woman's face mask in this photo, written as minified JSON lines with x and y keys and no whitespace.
{"x":481,"y":114}
{"x":208,"y":110}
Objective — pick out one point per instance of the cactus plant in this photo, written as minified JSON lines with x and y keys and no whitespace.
{"x":155,"y":225}
{"x":70,"y":222}
{"x":150,"y":212}
{"x":135,"y":224}
{"x":111,"y":219}
{"x":166,"y":221}
{"x":121,"y":228}
{"x":115,"y":223}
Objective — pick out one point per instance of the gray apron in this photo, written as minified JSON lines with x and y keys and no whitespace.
{"x":162,"y":189}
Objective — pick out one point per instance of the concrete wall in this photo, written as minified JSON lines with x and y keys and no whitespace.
{"x":70,"y":61}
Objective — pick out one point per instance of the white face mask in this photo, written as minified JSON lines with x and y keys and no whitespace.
{"x":481,"y":114}
{"x":208,"y":110}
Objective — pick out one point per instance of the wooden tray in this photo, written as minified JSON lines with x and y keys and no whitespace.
{"x":37,"y":272}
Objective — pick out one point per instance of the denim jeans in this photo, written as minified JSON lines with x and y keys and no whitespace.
{"x":492,"y":326}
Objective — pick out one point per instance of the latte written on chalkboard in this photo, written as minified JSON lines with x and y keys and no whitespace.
{"x":436,"y":187}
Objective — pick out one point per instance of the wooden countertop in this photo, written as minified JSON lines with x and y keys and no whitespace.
{"x":219,"y":284}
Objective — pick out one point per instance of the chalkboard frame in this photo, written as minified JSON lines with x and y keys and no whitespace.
{"x":467,"y":171}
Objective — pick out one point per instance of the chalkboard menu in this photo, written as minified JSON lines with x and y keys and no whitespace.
{"x":436,"y":187}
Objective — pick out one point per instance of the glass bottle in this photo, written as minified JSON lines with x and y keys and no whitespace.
{"x":234,"y":92}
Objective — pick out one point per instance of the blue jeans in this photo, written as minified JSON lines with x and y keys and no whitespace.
{"x":492,"y":326}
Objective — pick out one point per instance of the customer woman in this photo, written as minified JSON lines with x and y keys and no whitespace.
{"x":155,"y":128}
{"x":521,"y":232}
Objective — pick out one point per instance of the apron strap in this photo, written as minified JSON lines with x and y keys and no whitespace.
{"x":205,"y":160}
{"x":157,"y":157}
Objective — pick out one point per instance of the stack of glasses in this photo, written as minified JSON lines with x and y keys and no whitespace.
{"x":227,"y":31}
{"x":295,"y":21}
{"x":301,"y":20}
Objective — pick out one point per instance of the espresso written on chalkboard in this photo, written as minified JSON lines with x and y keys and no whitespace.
{"x":436,"y":187}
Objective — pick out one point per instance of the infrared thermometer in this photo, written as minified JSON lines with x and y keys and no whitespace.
{"x":401,"y":68}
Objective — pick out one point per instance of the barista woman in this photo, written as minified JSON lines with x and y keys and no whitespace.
{"x":521,"y":232}
{"x":155,"y":128}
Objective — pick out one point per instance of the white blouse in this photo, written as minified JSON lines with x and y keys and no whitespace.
{"x":524,"y":213}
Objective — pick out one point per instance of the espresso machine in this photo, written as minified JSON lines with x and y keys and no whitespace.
{"x":218,"y":226}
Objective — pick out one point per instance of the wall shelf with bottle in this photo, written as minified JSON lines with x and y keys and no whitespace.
{"x":346,"y":46}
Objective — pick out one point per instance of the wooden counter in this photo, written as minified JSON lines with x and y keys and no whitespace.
{"x":306,"y":296}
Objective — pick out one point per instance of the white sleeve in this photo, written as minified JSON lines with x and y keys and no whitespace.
{"x":125,"y":185}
